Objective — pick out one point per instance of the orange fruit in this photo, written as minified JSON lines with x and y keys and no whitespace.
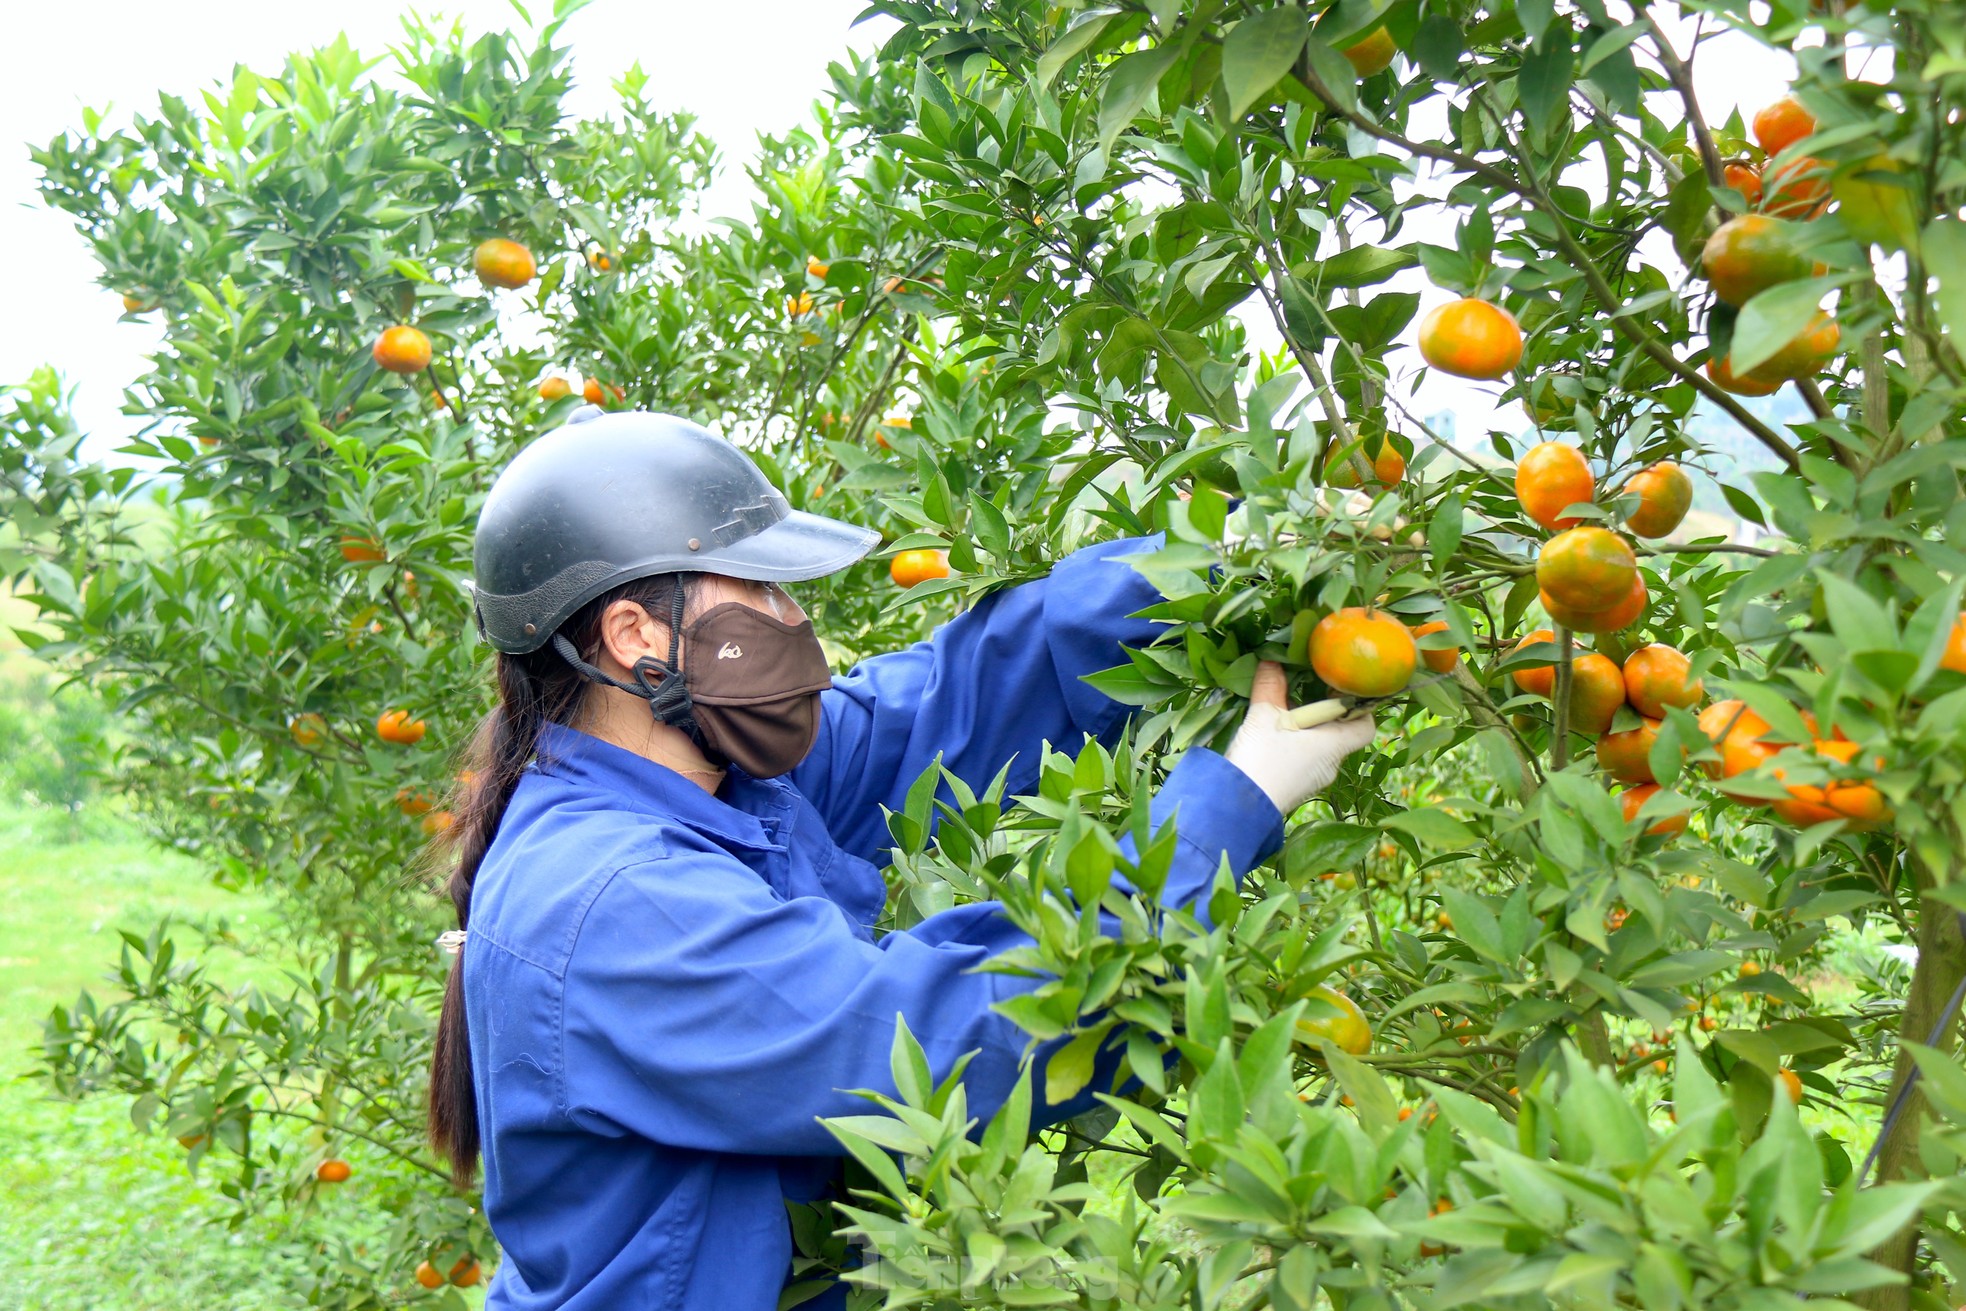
{"x":798,"y":306}
{"x":437,"y":823}
{"x":1749,"y":969}
{"x":1597,"y":689}
{"x":1363,"y":652}
{"x":1471,"y":339}
{"x":598,"y":258}
{"x":309,"y":730}
{"x":426,"y":1274}
{"x":1664,"y":494}
{"x":189,"y":1141}
{"x":502,"y":263}
{"x":596,"y":392}
{"x":1791,"y":1083}
{"x":1955,"y":656}
{"x":1708,"y":1024}
{"x":555,"y":388}
{"x":1335,"y":1018}
{"x":1586,"y":568}
{"x":333,"y":1172}
{"x":397,"y":726}
{"x":1799,"y":188}
{"x":1442,"y":661}
{"x":401,"y":349}
{"x":414,"y":801}
{"x":1551,"y":477}
{"x":1538,"y":680}
{"x":1744,"y":179}
{"x":133,"y":304}
{"x":1657,"y":676}
{"x":362,"y":550}
{"x":1860,"y":804}
{"x":1782,"y":124}
{"x":1750,"y":254}
{"x":1631,"y":799}
{"x":1371,"y":53}
{"x":911,"y":567}
{"x":1736,"y":732}
{"x":1742,"y":385}
{"x":1627,"y":756}
{"x":817,"y":267}
{"x":466,"y":1273}
{"x":1620,"y":614}
{"x":1806,"y":353}
{"x":1388,"y":465}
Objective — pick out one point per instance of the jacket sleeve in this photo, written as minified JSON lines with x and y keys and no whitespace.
{"x":992,"y":684}
{"x":703,"y":1012}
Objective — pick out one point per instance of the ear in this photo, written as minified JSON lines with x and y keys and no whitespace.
{"x":629,"y":633}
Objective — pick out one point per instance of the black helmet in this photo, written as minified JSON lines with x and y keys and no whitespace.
{"x":614,"y":497}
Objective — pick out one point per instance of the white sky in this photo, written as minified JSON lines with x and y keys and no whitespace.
{"x":742,"y":66}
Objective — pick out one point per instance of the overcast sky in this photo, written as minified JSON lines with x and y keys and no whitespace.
{"x":742,"y":66}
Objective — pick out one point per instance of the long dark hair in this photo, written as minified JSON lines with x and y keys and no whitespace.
{"x":534,"y":689}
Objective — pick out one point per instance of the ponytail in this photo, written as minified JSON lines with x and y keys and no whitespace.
{"x":534,"y":689}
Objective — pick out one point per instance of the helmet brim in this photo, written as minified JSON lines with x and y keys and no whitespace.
{"x":797,"y":548}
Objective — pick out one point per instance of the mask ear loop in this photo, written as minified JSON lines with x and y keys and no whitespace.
{"x":660,"y":683}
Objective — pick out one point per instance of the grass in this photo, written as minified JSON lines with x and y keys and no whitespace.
{"x":94,"y":1214}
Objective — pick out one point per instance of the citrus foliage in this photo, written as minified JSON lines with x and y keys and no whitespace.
{"x":1053,"y":240}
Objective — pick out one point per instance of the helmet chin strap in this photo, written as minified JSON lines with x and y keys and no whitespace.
{"x":658,"y":682}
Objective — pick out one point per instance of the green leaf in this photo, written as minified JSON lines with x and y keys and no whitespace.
{"x":1437,"y":46}
{"x":1543,"y":86}
{"x":1774,"y":318}
{"x":1474,"y":923}
{"x":1070,"y":43}
{"x":1433,"y":827}
{"x":1945,"y":255}
{"x":1258,"y":51}
{"x":1070,"y":1067}
{"x":1128,"y":87}
{"x":1363,"y":266}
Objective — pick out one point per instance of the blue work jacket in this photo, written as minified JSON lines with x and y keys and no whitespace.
{"x":666,"y":989}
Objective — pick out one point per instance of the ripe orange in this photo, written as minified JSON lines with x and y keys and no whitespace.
{"x":1371,"y":53}
{"x":797,"y":307}
{"x":1749,"y":969}
{"x":1750,"y":254}
{"x":1442,"y":661}
{"x":502,"y":263}
{"x":1745,"y":384}
{"x":1335,"y":1018}
{"x":1799,"y":189}
{"x":1657,"y":676}
{"x":1955,"y":656}
{"x":1471,"y":339}
{"x":401,"y":349}
{"x":414,"y":801}
{"x":555,"y":388}
{"x":817,"y":267}
{"x":465,"y":1274}
{"x":426,"y":1274}
{"x":362,"y":550}
{"x":1664,"y":494}
{"x":1782,"y":124}
{"x":1597,"y":689}
{"x":309,"y":730}
{"x":397,"y":726}
{"x":1744,"y":179}
{"x":1363,"y":652}
{"x":1736,"y":733}
{"x":436,"y":823}
{"x":1708,"y":1024}
{"x":598,"y":258}
{"x":1622,"y":613}
{"x":133,"y":304}
{"x":1388,"y":465}
{"x":1859,"y":804}
{"x":1790,"y":1082}
{"x":911,"y":567}
{"x":333,"y":1172}
{"x":1806,"y":353}
{"x":1627,"y":756}
{"x":1550,"y":478}
{"x":1586,"y":568}
{"x":1537,"y":680}
{"x":1631,"y":799}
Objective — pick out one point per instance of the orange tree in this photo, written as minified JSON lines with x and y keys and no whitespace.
{"x":1532,"y":1005}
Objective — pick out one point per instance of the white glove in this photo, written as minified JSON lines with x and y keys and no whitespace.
{"x":1290,"y":763}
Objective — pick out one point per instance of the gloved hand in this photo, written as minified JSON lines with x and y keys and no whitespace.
{"x":1289,"y":763}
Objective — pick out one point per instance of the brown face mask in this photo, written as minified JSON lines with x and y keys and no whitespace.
{"x":754,"y":683}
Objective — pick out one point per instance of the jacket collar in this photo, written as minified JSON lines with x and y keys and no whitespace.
{"x":732,"y":815}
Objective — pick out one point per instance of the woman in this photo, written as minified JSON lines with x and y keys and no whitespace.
{"x":667,"y":869}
